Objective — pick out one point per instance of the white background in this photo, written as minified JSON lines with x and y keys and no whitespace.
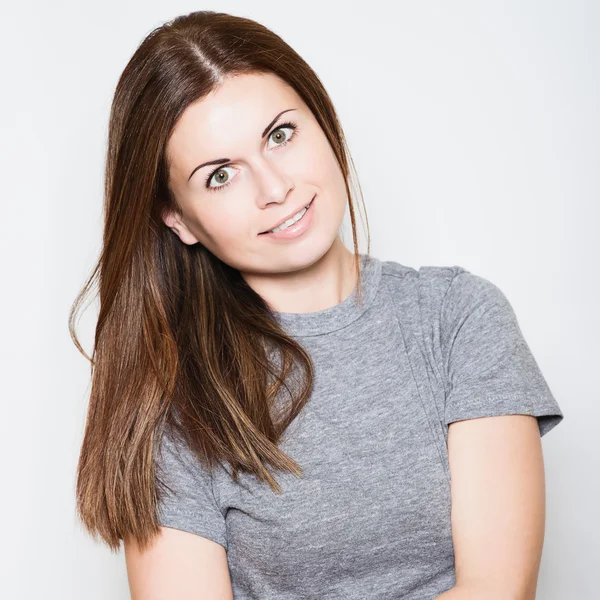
{"x":475,"y":131}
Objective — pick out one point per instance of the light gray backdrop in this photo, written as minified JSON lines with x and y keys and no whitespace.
{"x":482,"y":115}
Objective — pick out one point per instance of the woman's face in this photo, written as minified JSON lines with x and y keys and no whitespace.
{"x":271,"y":169}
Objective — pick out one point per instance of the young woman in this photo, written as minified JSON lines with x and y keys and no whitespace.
{"x":274,"y":416}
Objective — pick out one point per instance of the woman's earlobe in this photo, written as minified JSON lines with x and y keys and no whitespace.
{"x":175,"y":223}
{"x":185,"y":235}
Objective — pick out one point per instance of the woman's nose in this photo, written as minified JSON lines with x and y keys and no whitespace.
{"x":273,"y":185}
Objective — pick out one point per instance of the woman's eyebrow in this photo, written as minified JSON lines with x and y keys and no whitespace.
{"x":266,"y":130}
{"x":220,"y":161}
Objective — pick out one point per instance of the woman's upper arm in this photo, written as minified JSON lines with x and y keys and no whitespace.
{"x":178,"y":565}
{"x":187,"y":560}
{"x":498,"y":504}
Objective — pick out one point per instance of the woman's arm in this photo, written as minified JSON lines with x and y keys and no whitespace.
{"x":179,"y":565}
{"x":498,"y":507}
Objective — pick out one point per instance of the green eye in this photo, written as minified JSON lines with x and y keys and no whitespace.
{"x":288,"y":125}
{"x":217,"y":174}
{"x":226,"y":180}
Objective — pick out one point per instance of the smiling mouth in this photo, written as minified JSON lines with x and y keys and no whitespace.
{"x":307,"y":207}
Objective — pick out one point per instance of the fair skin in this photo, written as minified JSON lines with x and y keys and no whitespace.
{"x":498,"y":507}
{"x":496,"y":463}
{"x":264,"y":180}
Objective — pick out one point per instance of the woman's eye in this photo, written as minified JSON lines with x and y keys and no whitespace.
{"x":280,"y":137}
{"x":223,"y":179}
{"x":220,"y":176}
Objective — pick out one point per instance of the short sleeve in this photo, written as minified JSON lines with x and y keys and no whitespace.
{"x":489,"y":366}
{"x":186,"y":499}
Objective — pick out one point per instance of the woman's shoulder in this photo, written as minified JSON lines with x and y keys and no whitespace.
{"x":438,"y":294}
{"x":430,"y":282}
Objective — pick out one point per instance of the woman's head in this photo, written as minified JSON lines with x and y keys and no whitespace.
{"x":275,"y":160}
{"x":183,"y":343}
{"x":204,"y":87}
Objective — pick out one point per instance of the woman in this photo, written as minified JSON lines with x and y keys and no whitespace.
{"x":272,"y":415}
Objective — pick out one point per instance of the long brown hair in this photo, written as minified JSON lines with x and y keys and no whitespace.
{"x":181,"y":340}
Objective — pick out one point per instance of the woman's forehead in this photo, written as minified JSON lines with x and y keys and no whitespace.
{"x":233,"y":115}
{"x":239,"y":99}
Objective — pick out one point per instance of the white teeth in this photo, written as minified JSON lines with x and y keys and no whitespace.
{"x":290,"y":221}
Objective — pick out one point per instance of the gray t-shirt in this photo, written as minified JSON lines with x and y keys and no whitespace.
{"x":370,"y":517}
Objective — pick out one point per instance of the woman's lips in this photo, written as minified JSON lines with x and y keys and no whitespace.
{"x":295,"y":230}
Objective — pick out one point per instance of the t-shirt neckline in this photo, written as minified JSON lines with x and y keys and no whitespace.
{"x":341,"y":314}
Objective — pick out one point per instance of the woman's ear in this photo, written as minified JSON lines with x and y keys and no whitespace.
{"x":175,"y":222}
